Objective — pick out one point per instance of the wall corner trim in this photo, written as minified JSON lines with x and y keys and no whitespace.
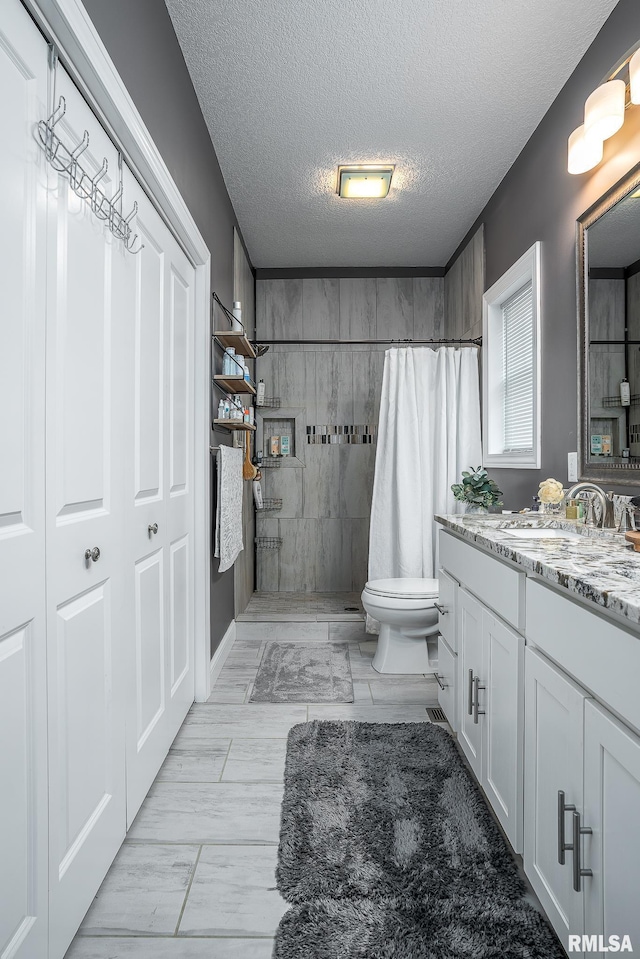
{"x":224,"y":648}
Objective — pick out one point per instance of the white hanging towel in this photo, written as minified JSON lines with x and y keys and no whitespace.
{"x":429,"y":432}
{"x":229,"y":507}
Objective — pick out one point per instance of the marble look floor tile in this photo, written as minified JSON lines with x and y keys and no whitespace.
{"x":283,"y":632}
{"x":237,"y":674}
{"x":143,"y":891}
{"x":255,"y":760}
{"x":251,"y":721}
{"x":194,"y":761}
{"x":233,"y":893}
{"x":368,"y":647}
{"x":155,"y":948}
{"x":347,"y":631}
{"x":276,"y":617}
{"x":369,"y":714}
{"x":338,"y":617}
{"x":361,"y":693}
{"x":404,"y":691}
{"x":243,"y":654}
{"x":229,"y":693}
{"x":209,"y":813}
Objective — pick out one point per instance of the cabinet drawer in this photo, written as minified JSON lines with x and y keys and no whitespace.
{"x":601,"y":656}
{"x":447,"y":600}
{"x":498,"y":586}
{"x":447,"y":676}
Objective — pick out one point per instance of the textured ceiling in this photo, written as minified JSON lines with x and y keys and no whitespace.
{"x":448,"y":90}
{"x":614,"y":239}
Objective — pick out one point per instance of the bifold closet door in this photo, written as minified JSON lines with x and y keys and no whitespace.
{"x":85,"y":556}
{"x":23,"y":695}
{"x":159,"y":497}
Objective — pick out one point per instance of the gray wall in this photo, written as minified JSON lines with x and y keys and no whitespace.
{"x":463,"y":289}
{"x":141,"y":41}
{"x":539,"y":200}
{"x":324,"y":520}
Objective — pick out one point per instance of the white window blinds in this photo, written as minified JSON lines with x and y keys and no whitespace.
{"x":518,"y":370}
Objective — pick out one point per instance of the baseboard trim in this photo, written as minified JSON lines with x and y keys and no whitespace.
{"x":219,"y":657}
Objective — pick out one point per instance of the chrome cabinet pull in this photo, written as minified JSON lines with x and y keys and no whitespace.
{"x":578,"y":871}
{"x":92,"y":555}
{"x":441,"y":609}
{"x":476,"y":704}
{"x":153,"y":528}
{"x":562,"y":809}
{"x":470,"y":694}
{"x":439,"y":682}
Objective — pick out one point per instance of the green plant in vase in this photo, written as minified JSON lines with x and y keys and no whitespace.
{"x":477,"y":491}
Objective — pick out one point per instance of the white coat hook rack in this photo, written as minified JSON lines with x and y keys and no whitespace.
{"x":67,"y":161}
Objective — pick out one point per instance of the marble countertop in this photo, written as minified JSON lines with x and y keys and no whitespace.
{"x":598,"y":567}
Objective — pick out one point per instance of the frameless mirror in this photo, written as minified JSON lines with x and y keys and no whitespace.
{"x":609,"y":319}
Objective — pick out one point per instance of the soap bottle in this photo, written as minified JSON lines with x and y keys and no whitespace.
{"x":237,"y":317}
{"x":260,"y":394}
{"x":571,"y":511}
{"x":247,"y":374}
{"x":625,"y":393}
{"x":229,"y":362}
{"x":221,"y":415}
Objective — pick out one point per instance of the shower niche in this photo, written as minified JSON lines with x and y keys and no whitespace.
{"x":280,"y":435}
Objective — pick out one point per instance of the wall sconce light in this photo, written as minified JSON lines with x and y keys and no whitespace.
{"x":364,"y":181}
{"x":603,"y":116}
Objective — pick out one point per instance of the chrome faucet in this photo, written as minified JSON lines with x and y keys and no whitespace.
{"x":607,"y":518}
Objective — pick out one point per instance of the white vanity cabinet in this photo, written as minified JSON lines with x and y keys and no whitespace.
{"x":447,"y":647}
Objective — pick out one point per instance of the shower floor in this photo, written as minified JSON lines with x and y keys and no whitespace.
{"x":302,"y":607}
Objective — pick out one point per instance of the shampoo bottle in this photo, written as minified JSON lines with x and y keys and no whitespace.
{"x":257,"y":494}
{"x":237,"y":316}
{"x":260,"y":395}
{"x":625,"y":393}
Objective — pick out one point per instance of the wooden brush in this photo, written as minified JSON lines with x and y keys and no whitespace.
{"x":249,"y":472}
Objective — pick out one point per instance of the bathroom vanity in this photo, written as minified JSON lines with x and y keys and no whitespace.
{"x":539,"y":665}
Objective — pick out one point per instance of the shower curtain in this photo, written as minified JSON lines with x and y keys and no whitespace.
{"x":429,"y":431}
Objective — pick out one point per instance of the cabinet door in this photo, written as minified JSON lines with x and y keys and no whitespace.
{"x":469,"y":642}
{"x":159,"y":495}
{"x":23,"y":656}
{"x":502,"y":701}
{"x":85,"y":466}
{"x":447,"y":596}
{"x":554,"y":708}
{"x":611,"y":808}
{"x":447,"y":668}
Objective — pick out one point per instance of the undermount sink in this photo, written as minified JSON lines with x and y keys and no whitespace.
{"x":532,"y":532}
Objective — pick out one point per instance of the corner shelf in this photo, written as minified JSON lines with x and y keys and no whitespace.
{"x":237,"y":341}
{"x":235,"y":425}
{"x":234,"y":384}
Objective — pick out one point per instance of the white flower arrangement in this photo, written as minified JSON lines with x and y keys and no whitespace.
{"x":551,"y":491}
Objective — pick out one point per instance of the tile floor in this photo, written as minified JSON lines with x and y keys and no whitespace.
{"x":195,"y":876}
{"x":303,"y":607}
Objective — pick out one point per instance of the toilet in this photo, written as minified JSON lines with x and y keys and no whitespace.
{"x":406,"y":611}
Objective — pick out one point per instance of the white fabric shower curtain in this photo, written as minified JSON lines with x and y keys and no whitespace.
{"x":429,"y":431}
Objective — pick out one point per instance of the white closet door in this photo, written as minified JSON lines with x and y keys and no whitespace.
{"x":159,"y":499}
{"x":84,"y":511}
{"x":23,"y":730}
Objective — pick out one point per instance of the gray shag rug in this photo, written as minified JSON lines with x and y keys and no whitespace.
{"x":388,"y":851}
{"x":293,"y":673}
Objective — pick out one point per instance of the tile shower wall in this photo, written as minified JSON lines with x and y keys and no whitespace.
{"x":324,"y":520}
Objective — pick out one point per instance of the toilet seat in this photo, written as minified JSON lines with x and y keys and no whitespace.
{"x":409,"y":588}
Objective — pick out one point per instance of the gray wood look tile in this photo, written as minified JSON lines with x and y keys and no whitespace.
{"x":190,"y":762}
{"x":295,"y":377}
{"x":394,"y":307}
{"x":367,"y":386}
{"x":369,"y":714}
{"x":334,"y":387}
{"x":229,"y":692}
{"x":267,"y":560}
{"x":606,"y":309}
{"x":287,"y":485}
{"x":233,"y":894}
{"x":242,"y":654}
{"x":358,"y":310}
{"x":298,"y":554}
{"x":279,"y":309}
{"x":347,"y":632}
{"x":209,"y":812}
{"x":428,"y":307}
{"x":333,"y":566}
{"x":205,"y":722}
{"x":404,"y":691}
{"x":322,"y":497}
{"x":282,"y":632}
{"x":633,"y":309}
{"x":255,"y":760}
{"x":362,"y":693}
{"x":138,"y":947}
{"x":321,"y":309}
{"x":143,"y":891}
{"x":359,"y":553}
{"x":355,"y":481}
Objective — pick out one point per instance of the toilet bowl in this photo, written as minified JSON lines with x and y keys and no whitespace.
{"x":405,"y":609}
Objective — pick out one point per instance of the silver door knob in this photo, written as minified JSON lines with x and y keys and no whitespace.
{"x":92,"y":555}
{"x":153,"y":528}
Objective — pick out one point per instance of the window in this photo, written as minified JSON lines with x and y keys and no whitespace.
{"x":511,"y":376}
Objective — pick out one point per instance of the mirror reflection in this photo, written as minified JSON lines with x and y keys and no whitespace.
{"x":612,"y":428}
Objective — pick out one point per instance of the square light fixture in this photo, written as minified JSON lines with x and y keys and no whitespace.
{"x":364,"y":182}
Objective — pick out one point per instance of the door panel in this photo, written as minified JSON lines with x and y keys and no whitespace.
{"x":160,"y":503}
{"x":554,"y":708}
{"x":503,"y":725}
{"x":84,"y":511}
{"x":23,"y":716}
{"x":611,"y":804}
{"x":469,"y":635}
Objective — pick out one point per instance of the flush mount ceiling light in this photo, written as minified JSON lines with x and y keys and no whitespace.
{"x":364,"y":181}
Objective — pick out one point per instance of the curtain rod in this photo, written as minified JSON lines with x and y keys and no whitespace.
{"x":476,"y":341}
